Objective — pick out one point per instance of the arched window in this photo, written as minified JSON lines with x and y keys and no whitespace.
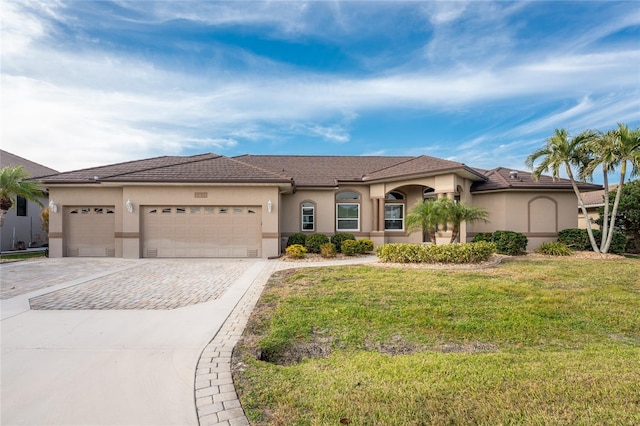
{"x":394,"y":207}
{"x":308,"y":211}
{"x":347,"y":211}
{"x":429,"y":194}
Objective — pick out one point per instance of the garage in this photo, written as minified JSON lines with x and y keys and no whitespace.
{"x":90,"y":231}
{"x":201,"y":231}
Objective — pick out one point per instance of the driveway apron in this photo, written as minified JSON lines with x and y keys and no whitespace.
{"x":111,"y":341}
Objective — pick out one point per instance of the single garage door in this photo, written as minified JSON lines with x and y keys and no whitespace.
{"x":201,"y":231}
{"x":90,"y":231}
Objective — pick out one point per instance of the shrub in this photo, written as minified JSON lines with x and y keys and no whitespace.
{"x":350,"y":247}
{"x":365,"y":245}
{"x":510,"y":243}
{"x":298,"y":238}
{"x":328,"y":250}
{"x":578,"y":239}
{"x":618,"y":243}
{"x":483,"y":236}
{"x":555,"y":248}
{"x":341,"y":237}
{"x":314,"y":241}
{"x":446,"y":253}
{"x":297,"y":251}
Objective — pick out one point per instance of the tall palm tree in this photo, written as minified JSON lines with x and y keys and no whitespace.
{"x":602,"y":151}
{"x":14,"y":183}
{"x":455,"y":213}
{"x":627,"y":151}
{"x":424,"y":216}
{"x":563,"y":151}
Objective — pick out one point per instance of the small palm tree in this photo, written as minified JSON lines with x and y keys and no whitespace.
{"x":560,"y":151}
{"x":424,"y":216}
{"x":14,"y":183}
{"x":454,"y":213}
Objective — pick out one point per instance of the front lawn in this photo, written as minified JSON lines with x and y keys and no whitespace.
{"x":529,"y":342}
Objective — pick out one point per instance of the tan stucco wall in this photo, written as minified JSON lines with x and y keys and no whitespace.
{"x":128,"y":225}
{"x":538,"y":215}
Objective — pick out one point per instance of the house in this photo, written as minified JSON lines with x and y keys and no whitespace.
{"x":211,"y":205}
{"x":592,"y":202}
{"x":22,"y":227}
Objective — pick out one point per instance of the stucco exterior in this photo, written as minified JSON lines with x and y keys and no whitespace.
{"x":538,"y":215}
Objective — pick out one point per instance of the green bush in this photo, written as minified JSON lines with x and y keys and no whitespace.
{"x":483,"y":236}
{"x":298,"y":238}
{"x":350,"y":247}
{"x":447,"y":253}
{"x":555,"y":248}
{"x":314,"y":241}
{"x":296,"y":251}
{"x":510,"y":243}
{"x":341,"y":237}
{"x":578,"y":239}
{"x":328,"y":250}
{"x":618,"y":243}
{"x":365,"y":245}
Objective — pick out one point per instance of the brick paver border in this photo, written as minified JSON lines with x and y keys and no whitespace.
{"x":216,"y":399}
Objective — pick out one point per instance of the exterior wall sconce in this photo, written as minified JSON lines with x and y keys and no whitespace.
{"x":53,"y":206}
{"x":269,"y":206}
{"x":129,"y":206}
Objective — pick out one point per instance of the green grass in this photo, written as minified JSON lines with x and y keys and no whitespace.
{"x":21,"y":256}
{"x":530,"y":342}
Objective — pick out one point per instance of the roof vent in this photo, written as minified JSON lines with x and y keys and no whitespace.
{"x":513,"y":174}
{"x":96,"y":178}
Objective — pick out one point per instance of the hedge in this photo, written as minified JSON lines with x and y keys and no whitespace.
{"x":314,"y":241}
{"x":447,"y":253}
{"x":578,"y":239}
{"x":507,"y":242}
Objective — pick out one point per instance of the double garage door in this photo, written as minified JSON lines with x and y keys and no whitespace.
{"x":201,"y":231}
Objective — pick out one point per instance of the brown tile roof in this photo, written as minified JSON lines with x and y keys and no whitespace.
{"x":322,"y":171}
{"x":303,"y":171}
{"x":420,"y":165}
{"x":197,"y":168}
{"x":502,"y":178}
{"x":596,"y":198}
{"x":34,"y":169}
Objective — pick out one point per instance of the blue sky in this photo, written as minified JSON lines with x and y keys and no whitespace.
{"x":485,"y":83}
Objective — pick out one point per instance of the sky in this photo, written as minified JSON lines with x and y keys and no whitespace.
{"x":89,"y":83}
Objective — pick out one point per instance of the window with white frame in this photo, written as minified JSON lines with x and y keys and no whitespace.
{"x":308,"y":216}
{"x":347,"y":211}
{"x":394,"y":211}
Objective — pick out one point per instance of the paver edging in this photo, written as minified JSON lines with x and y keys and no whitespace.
{"x":216,"y":399}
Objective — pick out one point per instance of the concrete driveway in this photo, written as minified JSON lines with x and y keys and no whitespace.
{"x":112,"y":341}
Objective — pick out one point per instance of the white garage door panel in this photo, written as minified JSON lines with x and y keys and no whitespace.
{"x":90,"y":231}
{"x":198,"y":231}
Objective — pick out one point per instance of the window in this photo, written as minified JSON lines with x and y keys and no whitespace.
{"x":429,"y":194}
{"x":21,"y":206}
{"x":348,"y":217}
{"x":308,"y":217}
{"x":347,"y":195}
{"x":347,"y":214}
{"x":394,"y":217}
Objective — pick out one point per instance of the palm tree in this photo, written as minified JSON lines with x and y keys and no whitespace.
{"x":627,"y":150}
{"x":602,"y":153}
{"x":14,"y":183}
{"x":560,"y":151}
{"x":455,"y":213}
{"x":424,"y":216}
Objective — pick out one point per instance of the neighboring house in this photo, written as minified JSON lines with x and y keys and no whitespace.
{"x":215,"y":206}
{"x":22,"y":227}
{"x":592,"y":201}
